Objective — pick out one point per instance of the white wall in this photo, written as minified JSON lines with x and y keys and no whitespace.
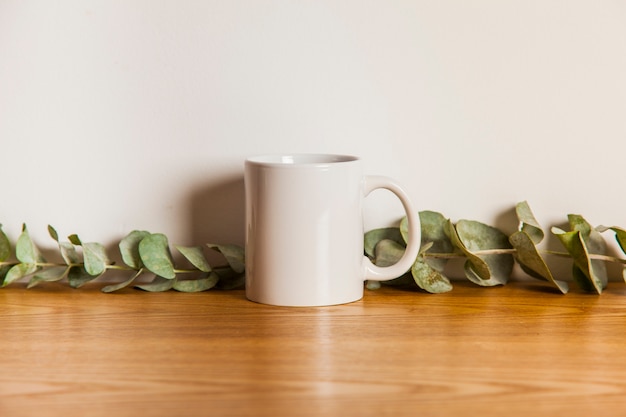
{"x":122,"y":115}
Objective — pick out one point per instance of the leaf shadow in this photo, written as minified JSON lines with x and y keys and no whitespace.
{"x":506,"y":221}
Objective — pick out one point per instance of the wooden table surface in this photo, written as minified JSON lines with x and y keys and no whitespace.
{"x":516,"y":350}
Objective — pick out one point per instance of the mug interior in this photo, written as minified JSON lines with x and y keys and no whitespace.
{"x":301,"y":159}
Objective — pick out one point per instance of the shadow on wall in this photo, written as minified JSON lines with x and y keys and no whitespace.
{"x":218,"y":212}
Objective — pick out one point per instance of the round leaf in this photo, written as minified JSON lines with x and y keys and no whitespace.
{"x":434,"y":233}
{"x":372,"y":237}
{"x":159,"y":284}
{"x":388,"y":252}
{"x":528,"y":223}
{"x":195,"y":255}
{"x":129,"y":248}
{"x":585,"y":272}
{"x":155,"y":255}
{"x":95,"y":258}
{"x":78,"y":276}
{"x":428,"y":278}
{"x":196,"y":285}
{"x":483,"y":269}
{"x":234,"y":255}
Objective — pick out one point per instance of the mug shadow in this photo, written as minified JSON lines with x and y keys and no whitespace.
{"x":217,"y":212}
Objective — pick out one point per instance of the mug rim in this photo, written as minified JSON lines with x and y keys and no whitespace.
{"x":300,"y":159}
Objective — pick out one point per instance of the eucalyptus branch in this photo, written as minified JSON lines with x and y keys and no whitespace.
{"x":489,"y":255}
{"x":455,"y":255}
{"x":142,"y":253}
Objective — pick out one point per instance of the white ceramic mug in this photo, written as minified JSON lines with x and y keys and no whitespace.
{"x":304,"y":230}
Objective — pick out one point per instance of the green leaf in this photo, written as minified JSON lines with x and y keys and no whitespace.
{"x":528,"y":223}
{"x":19,"y":271}
{"x":25,"y":249}
{"x":195,"y":255}
{"x":196,"y":285}
{"x":78,"y":276}
{"x":53,"y":233}
{"x":372,"y":237}
{"x":159,"y":284}
{"x":582,"y":280}
{"x":95,"y":258}
{"x":55,"y":273}
{"x":155,"y":255}
{"x":119,"y":286}
{"x":75,"y":240}
{"x":620,"y":235}
{"x":372,"y":285}
{"x":5,"y":246}
{"x":229,"y":279}
{"x":129,"y":248}
{"x":434,"y":233}
{"x":4,"y":269}
{"x":484,"y":269}
{"x":586,"y":272}
{"x":388,"y":252}
{"x":234,"y":255}
{"x":530,"y":260}
{"x":68,"y":251}
{"x":594,"y":244}
{"x":428,"y":278}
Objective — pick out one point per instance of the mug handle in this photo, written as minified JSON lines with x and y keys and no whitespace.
{"x":377,"y":273}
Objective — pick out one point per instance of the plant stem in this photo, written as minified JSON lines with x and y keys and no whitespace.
{"x":485,"y":252}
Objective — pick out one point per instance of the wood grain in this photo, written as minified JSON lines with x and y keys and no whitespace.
{"x":514,"y":350}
